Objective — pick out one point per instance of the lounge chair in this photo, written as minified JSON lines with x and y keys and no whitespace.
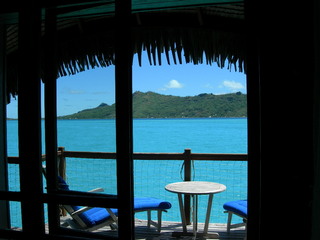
{"x":92,"y":218}
{"x":238,"y":208}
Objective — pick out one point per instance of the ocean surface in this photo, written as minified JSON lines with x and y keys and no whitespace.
{"x":211,"y":135}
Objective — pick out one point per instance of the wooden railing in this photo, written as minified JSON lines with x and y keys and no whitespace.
{"x":187,"y":157}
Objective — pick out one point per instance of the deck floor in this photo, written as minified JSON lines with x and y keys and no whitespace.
{"x":145,"y":233}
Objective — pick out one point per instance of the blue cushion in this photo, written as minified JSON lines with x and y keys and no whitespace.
{"x":238,"y":207}
{"x":98,"y":215}
{"x":62,"y":185}
{"x":95,"y":216}
{"x":145,"y":203}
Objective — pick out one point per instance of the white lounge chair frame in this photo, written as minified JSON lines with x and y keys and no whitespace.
{"x":230,"y":226}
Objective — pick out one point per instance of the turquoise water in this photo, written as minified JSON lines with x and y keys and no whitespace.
{"x":150,"y":135}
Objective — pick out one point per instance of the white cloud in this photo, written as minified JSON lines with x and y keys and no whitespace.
{"x":232,"y":85}
{"x":173,"y":84}
{"x":100,"y":93}
{"x":74,"y":91}
{"x":162,"y":89}
{"x":208,"y":85}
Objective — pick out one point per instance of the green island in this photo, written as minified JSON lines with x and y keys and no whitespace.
{"x":154,"y":105}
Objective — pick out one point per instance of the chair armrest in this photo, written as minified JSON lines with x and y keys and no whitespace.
{"x":81,"y":210}
{"x":112,"y":215}
{"x":97,"y":190}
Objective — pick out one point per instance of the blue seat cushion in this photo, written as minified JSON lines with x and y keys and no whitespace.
{"x":95,"y":216}
{"x":62,"y":185}
{"x":145,"y":203}
{"x":239,"y":207}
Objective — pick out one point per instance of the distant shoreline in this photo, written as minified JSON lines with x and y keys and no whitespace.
{"x":15,"y":119}
{"x":154,"y":105}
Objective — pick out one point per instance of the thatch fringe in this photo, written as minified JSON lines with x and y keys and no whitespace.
{"x":196,"y":46}
{"x":78,"y":52}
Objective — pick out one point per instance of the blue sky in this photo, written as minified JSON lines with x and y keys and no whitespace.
{"x":90,"y":88}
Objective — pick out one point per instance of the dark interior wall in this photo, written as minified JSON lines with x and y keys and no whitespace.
{"x":285,"y":34}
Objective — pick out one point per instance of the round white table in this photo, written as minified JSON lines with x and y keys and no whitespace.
{"x":195,"y":188}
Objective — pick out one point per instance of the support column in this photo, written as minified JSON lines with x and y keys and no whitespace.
{"x":29,"y":111}
{"x":187,"y":177}
{"x":4,"y":205}
{"x":316,"y":127}
{"x":254,"y":121}
{"x":50,"y":84}
{"x":123,"y":73}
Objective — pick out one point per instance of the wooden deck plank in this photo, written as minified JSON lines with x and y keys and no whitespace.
{"x":145,"y":233}
{"x":142,"y":231}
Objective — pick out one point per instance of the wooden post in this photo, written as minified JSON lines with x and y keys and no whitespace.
{"x":50,"y":76}
{"x":62,"y":163}
{"x":254,"y":123}
{"x":187,"y":177}
{"x":4,"y":205}
{"x":29,"y":111}
{"x":316,"y":187}
{"x":124,"y":138}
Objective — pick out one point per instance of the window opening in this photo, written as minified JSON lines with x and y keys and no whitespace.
{"x":171,"y":110}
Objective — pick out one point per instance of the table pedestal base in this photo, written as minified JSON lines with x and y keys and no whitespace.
{"x":202,"y":235}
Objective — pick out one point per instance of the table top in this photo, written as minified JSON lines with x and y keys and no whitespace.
{"x":195,"y":187}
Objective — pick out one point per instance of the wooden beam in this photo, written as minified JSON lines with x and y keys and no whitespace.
{"x":29,"y":112}
{"x":50,"y":75}
{"x":4,"y":205}
{"x":254,"y":124}
{"x":124,"y":138}
{"x":316,"y":121}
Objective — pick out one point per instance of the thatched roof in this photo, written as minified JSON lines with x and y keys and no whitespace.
{"x":198,"y":35}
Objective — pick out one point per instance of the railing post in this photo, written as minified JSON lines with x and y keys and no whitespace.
{"x":61,"y":162}
{"x":62,"y":171}
{"x":187,"y":177}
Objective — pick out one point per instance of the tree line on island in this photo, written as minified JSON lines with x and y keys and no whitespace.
{"x":154,"y":105}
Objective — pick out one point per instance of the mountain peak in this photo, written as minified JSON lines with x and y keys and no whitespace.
{"x":102,"y":105}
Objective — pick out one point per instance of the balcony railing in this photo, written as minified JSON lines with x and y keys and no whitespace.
{"x":186,"y":158}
